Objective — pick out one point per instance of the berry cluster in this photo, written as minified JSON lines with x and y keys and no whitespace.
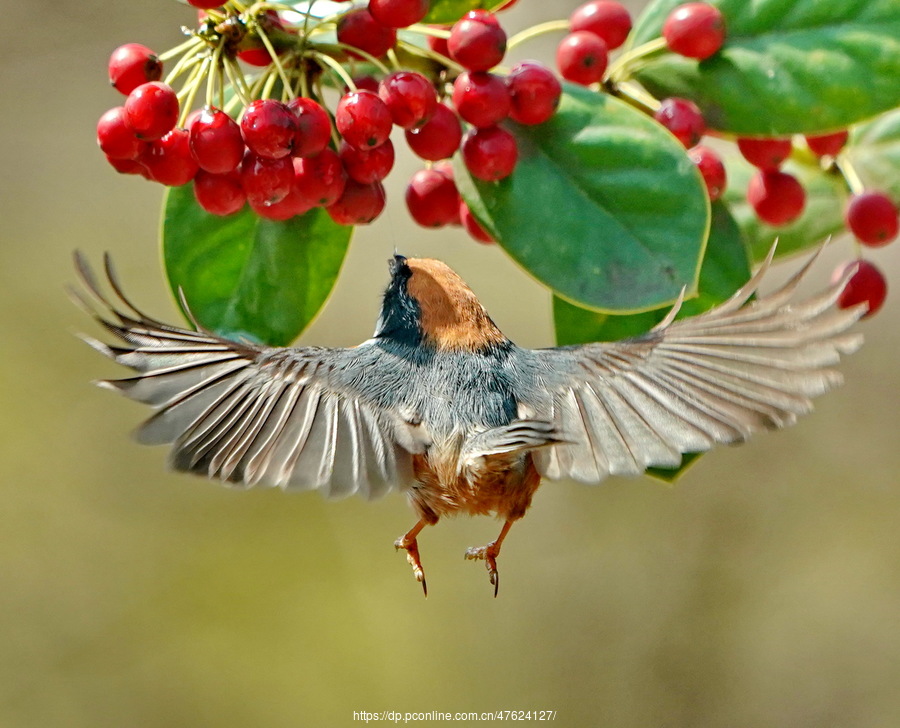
{"x":872,"y":217}
{"x":284,"y":156}
{"x":300,"y":132}
{"x":778,"y":198}
{"x":695,"y":30}
{"x":483,"y":100}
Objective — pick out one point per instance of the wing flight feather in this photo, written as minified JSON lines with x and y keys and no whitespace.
{"x":688,"y":384}
{"x":248,"y":414}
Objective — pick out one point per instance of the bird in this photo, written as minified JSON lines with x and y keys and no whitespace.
{"x":441,"y":406}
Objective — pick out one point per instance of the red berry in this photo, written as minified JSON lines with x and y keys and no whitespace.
{"x":191,"y":118}
{"x":827,"y":144}
{"x":582,"y":57}
{"x":359,"y":205}
{"x":363,"y":119}
{"x":439,"y":45}
{"x":204,"y":4}
{"x":490,"y":153}
{"x":151,"y":110}
{"x":477,"y":41}
{"x":252,"y":50}
{"x":169,"y":160}
{"x":432,"y":198}
{"x":777,"y":197}
{"x":481,"y":98}
{"x":359,"y":29}
{"x":367,"y":166}
{"x":128,"y":166}
{"x":683,"y":119}
{"x":366,"y":82}
{"x":867,"y":285}
{"x":605,"y":18}
{"x":694,"y":30}
{"x":216,"y":141}
{"x":712,"y":169}
{"x":322,"y":178}
{"x":534,"y":92}
{"x":266,"y":180}
{"x":257,"y":56}
{"x":872,"y":218}
{"x":409,"y":96}
{"x":472,"y":226}
{"x":313,"y":127}
{"x":219,"y":194}
{"x":115,"y":137}
{"x":765,"y":153}
{"x":438,"y":138}
{"x":268,"y":127}
{"x":294,"y":203}
{"x":132,"y":64}
{"x":398,"y":13}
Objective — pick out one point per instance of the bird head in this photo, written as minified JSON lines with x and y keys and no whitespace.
{"x":426,"y":303}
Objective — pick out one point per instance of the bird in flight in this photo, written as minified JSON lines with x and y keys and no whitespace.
{"x":443,"y":407}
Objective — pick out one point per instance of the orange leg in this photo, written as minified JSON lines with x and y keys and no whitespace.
{"x":408,"y":542}
{"x":490,"y":553}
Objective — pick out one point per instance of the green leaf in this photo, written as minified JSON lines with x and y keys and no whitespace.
{"x":670,"y":475}
{"x":725,"y":269}
{"x":823,"y":214}
{"x":246,"y":276}
{"x":787,"y":66}
{"x":604,"y":206}
{"x":446,"y":12}
{"x":874,"y":153}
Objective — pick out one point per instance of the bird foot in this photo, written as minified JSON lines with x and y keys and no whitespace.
{"x":489,"y":553}
{"x":412,"y":556}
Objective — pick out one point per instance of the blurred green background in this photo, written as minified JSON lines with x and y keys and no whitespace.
{"x":762,"y":590}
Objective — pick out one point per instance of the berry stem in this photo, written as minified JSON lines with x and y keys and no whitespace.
{"x":257,"y":87}
{"x":360,"y":52}
{"x":429,"y":30}
{"x":183,"y":48}
{"x":430,"y":54}
{"x":850,"y":175}
{"x":392,"y":57}
{"x":270,"y":79}
{"x":281,"y":72}
{"x":304,"y":84}
{"x":551,"y":26}
{"x":323,"y":59}
{"x":238,"y":82}
{"x":189,"y":92}
{"x":320,"y":94}
{"x":625,"y":65}
{"x":184,"y":63}
{"x":633,"y":95}
{"x":215,"y":75}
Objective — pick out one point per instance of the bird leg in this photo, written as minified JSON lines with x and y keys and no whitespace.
{"x":408,"y":542}
{"x":489,"y":553}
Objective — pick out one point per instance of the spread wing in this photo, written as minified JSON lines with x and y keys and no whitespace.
{"x":686,"y":385}
{"x":247,"y":414}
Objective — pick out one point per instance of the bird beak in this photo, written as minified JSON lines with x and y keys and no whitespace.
{"x":395,"y":263}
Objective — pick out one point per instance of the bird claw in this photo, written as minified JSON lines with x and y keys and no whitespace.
{"x":489,"y":554}
{"x":412,"y":556}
